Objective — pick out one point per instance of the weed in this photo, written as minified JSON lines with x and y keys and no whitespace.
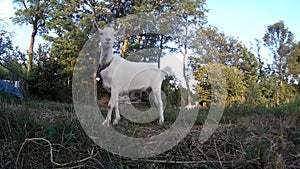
{"x":247,"y":137}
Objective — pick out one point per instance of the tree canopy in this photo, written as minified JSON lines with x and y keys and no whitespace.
{"x":174,"y":26}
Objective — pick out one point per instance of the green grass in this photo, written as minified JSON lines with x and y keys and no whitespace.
{"x":249,"y":137}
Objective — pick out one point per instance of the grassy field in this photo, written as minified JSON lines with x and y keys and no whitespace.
{"x":44,"y":134}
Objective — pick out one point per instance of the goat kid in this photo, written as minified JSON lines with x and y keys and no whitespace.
{"x":123,"y":76}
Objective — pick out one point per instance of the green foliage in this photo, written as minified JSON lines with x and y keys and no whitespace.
{"x":279,"y":40}
{"x":240,"y":65}
{"x":294,"y":62}
{"x":212,"y":46}
{"x":51,"y":77}
{"x":11,"y":59}
{"x":235,"y":85}
{"x":5,"y":44}
{"x":231,"y":81}
{"x":70,"y":25}
{"x":4,"y":73}
{"x":32,"y":12}
{"x":46,"y":81}
{"x":67,"y":25}
{"x":72,"y":35}
{"x":256,"y":83}
{"x":172,"y":91}
{"x":253,"y":93}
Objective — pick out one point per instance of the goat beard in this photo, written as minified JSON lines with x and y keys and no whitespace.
{"x":107,"y":45}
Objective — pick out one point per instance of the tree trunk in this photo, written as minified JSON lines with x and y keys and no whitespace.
{"x":189,"y":97}
{"x":186,"y":79}
{"x":139,"y":39}
{"x":31,"y":46}
{"x":160,"y":52}
{"x":280,"y":91}
{"x":124,"y":47}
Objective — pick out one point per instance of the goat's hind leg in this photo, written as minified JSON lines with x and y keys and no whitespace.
{"x":115,"y":101}
{"x":118,"y":117}
{"x":159,"y":104}
{"x":108,"y":116}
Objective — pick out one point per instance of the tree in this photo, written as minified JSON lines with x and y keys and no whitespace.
{"x":166,"y":21}
{"x":45,"y":80}
{"x":146,"y":26}
{"x":239,"y":64}
{"x":294,"y":62}
{"x":191,"y":17}
{"x":70,"y":30}
{"x":235,"y":85}
{"x":11,"y":58}
{"x":279,"y":40}
{"x":33,"y":12}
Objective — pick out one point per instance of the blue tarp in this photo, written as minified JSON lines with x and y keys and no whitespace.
{"x":10,"y":89}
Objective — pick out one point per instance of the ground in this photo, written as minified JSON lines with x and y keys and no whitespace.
{"x":247,"y":137}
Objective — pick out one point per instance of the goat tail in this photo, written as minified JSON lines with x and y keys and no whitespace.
{"x":167,"y":70}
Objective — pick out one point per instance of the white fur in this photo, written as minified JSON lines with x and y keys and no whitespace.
{"x":122,"y":76}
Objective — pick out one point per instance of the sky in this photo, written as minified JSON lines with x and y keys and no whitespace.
{"x":249,"y":19}
{"x":21,"y":34}
{"x":243,"y":19}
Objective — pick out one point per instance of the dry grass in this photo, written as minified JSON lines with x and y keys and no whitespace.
{"x":49,"y":136}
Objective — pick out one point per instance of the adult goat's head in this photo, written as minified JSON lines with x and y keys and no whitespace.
{"x":107,"y":40}
{"x":108,"y":36}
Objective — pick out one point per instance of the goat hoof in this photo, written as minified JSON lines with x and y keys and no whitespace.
{"x":115,"y":122}
{"x":161,"y":122}
{"x":105,"y":123}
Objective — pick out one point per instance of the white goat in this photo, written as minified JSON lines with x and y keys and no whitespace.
{"x":123,"y":76}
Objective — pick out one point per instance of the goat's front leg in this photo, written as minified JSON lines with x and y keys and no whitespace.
{"x":116,"y":103}
{"x":108,"y":117}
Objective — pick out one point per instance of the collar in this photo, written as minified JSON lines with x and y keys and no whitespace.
{"x":104,"y":66}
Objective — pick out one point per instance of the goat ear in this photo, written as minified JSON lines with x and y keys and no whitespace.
{"x":121,"y":30}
